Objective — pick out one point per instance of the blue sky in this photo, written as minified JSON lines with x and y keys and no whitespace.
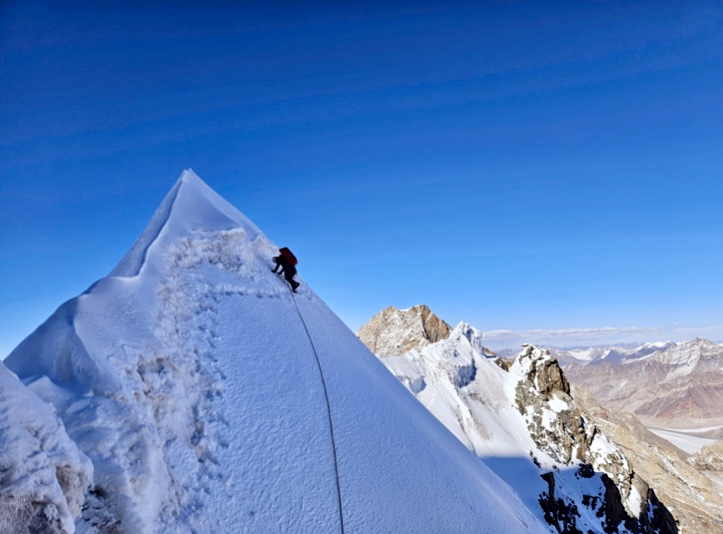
{"x":554,"y":167}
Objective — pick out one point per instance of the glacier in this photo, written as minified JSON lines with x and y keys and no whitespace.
{"x":190,"y":391}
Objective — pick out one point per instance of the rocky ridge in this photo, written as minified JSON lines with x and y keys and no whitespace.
{"x":523,"y":414}
{"x":573,"y":438}
{"x":395,"y":331}
{"x":687,"y":484}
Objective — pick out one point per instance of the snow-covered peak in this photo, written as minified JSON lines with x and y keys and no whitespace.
{"x":689,"y":352}
{"x":210,"y":398}
{"x":474,"y":336}
{"x":612,"y":354}
{"x":190,"y":206}
{"x":584,"y":355}
{"x":682,"y":357}
{"x":655,"y":345}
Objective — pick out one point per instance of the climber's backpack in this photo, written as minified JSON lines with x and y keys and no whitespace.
{"x":286,"y":253}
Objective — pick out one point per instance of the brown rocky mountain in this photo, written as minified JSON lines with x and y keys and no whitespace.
{"x":676,"y":386}
{"x":394,"y":331}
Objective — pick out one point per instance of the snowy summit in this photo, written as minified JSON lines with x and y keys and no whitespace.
{"x":191,"y":391}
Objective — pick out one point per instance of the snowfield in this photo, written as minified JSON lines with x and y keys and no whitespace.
{"x":685,"y":441}
{"x":191,"y":391}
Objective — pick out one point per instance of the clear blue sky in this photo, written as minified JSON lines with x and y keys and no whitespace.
{"x":518,"y":165}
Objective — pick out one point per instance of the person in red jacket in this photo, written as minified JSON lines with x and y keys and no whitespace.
{"x":286,"y":262}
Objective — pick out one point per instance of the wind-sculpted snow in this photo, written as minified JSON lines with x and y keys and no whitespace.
{"x":189,"y":377}
{"x":43,"y":475}
{"x":190,"y":206}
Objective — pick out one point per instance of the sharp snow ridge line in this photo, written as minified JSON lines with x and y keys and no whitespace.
{"x":328,"y":411}
{"x":167,"y":210}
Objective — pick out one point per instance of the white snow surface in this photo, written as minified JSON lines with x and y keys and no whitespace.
{"x":687,"y":442}
{"x":489,"y":422}
{"x":43,"y":475}
{"x":189,"y":378}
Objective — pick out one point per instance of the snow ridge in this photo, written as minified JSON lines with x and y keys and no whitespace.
{"x":186,"y":378}
{"x":189,"y":205}
{"x":135,"y":259}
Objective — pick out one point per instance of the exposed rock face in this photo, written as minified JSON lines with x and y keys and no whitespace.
{"x":542,"y":371}
{"x":563,"y":436}
{"x":691,"y":487}
{"x":711,"y":458}
{"x":569,"y":435}
{"x":608,"y":506}
{"x":661,"y":520}
{"x":558,"y":512}
{"x":394,"y":331}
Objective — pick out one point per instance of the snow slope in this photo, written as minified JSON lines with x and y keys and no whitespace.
{"x":209,"y":398}
{"x":43,"y":475}
{"x":521,"y":421}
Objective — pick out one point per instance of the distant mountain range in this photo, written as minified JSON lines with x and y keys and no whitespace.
{"x":665,"y":385}
{"x":523,"y":407}
{"x":602,"y":353}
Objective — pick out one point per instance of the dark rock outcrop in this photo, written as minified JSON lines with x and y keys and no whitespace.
{"x":558,"y":427}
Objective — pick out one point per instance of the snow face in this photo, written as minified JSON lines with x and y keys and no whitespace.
{"x":209,"y":398}
{"x":43,"y":474}
{"x":489,"y":423}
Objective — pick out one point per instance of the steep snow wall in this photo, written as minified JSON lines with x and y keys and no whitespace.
{"x":190,"y":377}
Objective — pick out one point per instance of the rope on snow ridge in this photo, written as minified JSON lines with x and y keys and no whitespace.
{"x":328,"y":411}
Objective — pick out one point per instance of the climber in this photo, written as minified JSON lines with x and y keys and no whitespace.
{"x":286,"y":262}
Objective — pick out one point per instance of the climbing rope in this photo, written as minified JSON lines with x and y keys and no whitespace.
{"x":328,"y":411}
